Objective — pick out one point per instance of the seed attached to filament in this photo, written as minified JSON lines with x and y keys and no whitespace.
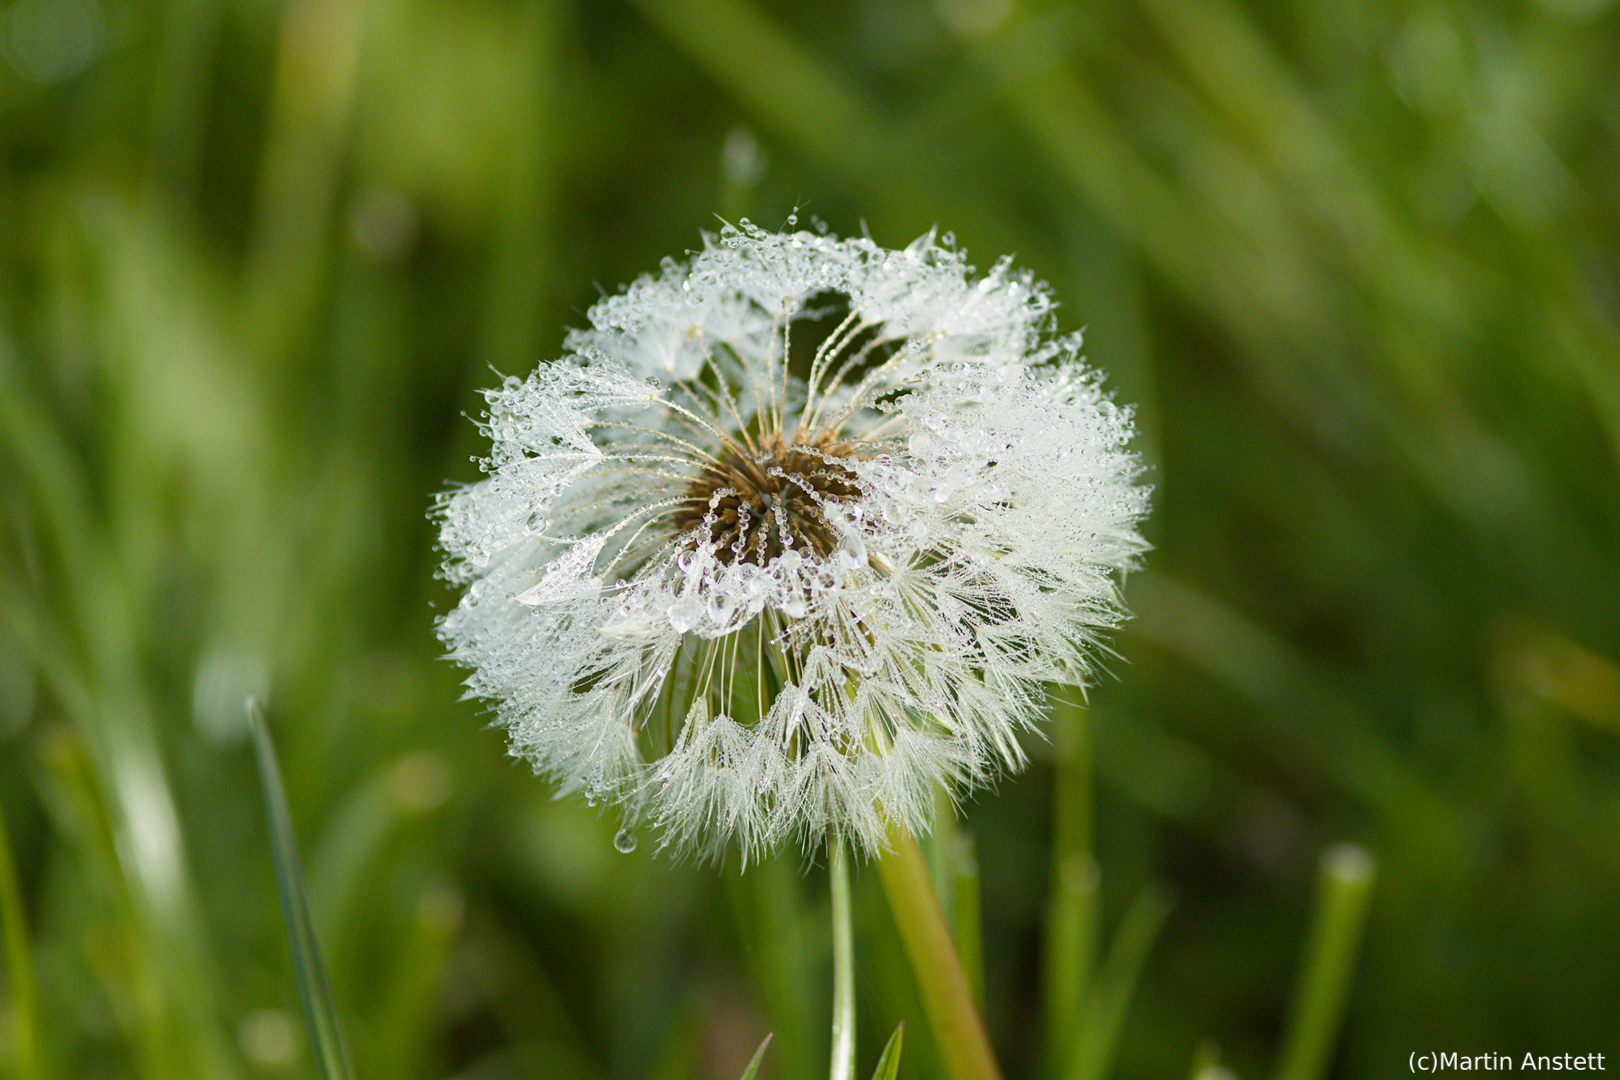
{"x":757,"y":506}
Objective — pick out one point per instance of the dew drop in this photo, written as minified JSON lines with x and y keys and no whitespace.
{"x":624,"y":842}
{"x":852,"y":551}
{"x":684,"y":613}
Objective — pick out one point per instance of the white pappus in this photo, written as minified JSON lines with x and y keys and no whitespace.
{"x":796,"y":532}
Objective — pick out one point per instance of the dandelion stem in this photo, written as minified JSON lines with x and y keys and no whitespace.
{"x":843,"y":1014}
{"x":963,"y":1046}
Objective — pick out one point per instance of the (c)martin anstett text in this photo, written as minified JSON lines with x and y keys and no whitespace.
{"x":1435,"y":1062}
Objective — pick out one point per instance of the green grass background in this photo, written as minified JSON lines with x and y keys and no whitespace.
{"x":1357,"y":263}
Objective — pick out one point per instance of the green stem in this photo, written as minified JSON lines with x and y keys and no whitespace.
{"x":19,"y":964}
{"x":963,"y":1046}
{"x":1071,"y":912}
{"x":1097,"y":1037}
{"x":769,"y":921}
{"x":843,"y":1016}
{"x":965,"y":915}
{"x":1343,"y":888}
{"x":314,"y":993}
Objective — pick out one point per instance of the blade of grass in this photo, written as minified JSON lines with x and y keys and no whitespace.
{"x":967,"y":920}
{"x":753,"y":1063}
{"x":1071,"y":912}
{"x":401,"y":1043}
{"x":766,"y":905}
{"x":1343,"y":888}
{"x":1341,"y":747}
{"x":796,"y":94}
{"x":1105,"y":1008}
{"x":888,"y":1065}
{"x":101,"y":685}
{"x":19,"y":965}
{"x":1206,"y":1056}
{"x":964,"y":1048}
{"x":320,"y":1015}
{"x":953,"y":866}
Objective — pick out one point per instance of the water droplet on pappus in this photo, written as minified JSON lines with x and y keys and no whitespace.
{"x":625,"y":842}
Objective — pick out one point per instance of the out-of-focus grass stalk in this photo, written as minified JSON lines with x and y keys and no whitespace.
{"x":784,"y":85}
{"x":966,"y":917}
{"x":1206,"y":1063}
{"x":1229,"y":59}
{"x":148,"y":1028}
{"x":320,"y":1014}
{"x":101,"y":688}
{"x":356,"y":832}
{"x":1069,"y":122}
{"x":1110,"y":996}
{"x":770,"y":926}
{"x":180,"y":91}
{"x":1071,"y":908}
{"x":1341,"y":747}
{"x":311,"y":106}
{"x":1344,"y":885}
{"x":797,"y":96}
{"x":954,"y":866}
{"x":522,"y":273}
{"x":842,"y":1066}
{"x":964,"y":1048}
{"x":19,"y":965}
{"x":398,"y":1040}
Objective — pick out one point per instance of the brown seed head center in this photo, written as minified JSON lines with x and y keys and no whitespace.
{"x":758,"y":505}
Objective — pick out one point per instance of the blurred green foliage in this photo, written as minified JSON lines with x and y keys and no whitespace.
{"x":1358,"y":264}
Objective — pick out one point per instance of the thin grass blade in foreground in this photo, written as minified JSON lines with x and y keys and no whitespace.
{"x":753,"y":1062}
{"x":1343,"y":888}
{"x":320,"y":1016}
{"x":888,"y":1065}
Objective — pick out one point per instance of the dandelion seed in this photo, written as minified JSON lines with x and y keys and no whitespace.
{"x":793,"y":535}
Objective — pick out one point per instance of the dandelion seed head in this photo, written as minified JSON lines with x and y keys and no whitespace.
{"x":793,"y":534}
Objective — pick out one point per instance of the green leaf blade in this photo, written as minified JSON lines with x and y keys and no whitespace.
{"x":753,"y":1063}
{"x":314,"y":993}
{"x":888,"y":1065}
